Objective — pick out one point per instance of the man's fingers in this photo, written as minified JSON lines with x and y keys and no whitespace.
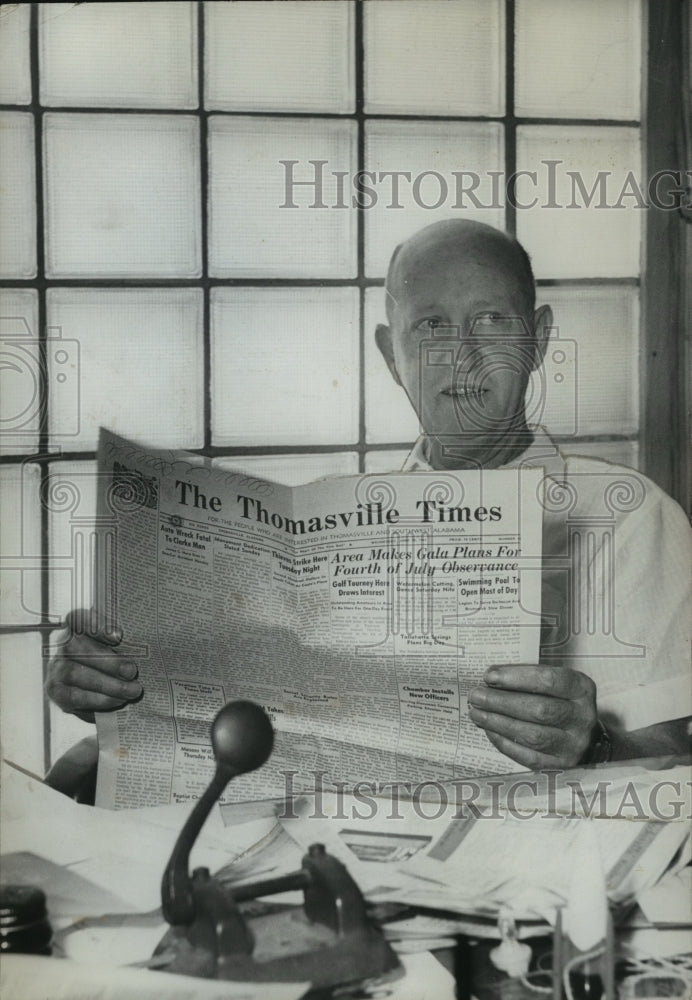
{"x":92,"y":653}
{"x":71,"y":674}
{"x":545,"y":739}
{"x":558,"y":682}
{"x":558,"y":745}
{"x":548,"y":712}
{"x":87,"y":674}
{"x":541,"y":746}
{"x":72,"y":699}
{"x":538,"y":708}
{"x":532,"y":759}
{"x":89,"y":622}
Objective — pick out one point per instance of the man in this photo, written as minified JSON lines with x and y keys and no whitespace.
{"x":475,"y":285}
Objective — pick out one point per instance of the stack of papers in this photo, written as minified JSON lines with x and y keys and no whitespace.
{"x":101,"y":870}
{"x":478,"y":864}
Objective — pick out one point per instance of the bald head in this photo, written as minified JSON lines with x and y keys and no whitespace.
{"x":458,"y":244}
{"x":463,"y":339}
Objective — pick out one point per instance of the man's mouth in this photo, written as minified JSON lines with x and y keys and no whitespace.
{"x":464,"y":391}
{"x":463,"y":386}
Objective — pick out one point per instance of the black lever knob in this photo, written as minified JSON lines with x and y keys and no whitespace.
{"x":242,"y":739}
{"x":241,"y":736}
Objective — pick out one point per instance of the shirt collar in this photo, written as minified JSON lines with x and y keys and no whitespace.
{"x":541,"y":453}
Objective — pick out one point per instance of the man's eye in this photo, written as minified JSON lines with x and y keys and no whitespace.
{"x":491,"y":317}
{"x":429,"y":323}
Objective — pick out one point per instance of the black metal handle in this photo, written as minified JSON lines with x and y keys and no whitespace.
{"x":242,"y":739}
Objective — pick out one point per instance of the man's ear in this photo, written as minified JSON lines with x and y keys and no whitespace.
{"x":383,"y":339}
{"x":542,"y":327}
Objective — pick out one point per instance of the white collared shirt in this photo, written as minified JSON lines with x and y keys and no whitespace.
{"x":617,"y":574}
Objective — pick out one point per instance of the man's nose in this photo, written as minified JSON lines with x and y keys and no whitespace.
{"x":450,"y":346}
{"x":468,"y":346}
{"x":461,"y":333}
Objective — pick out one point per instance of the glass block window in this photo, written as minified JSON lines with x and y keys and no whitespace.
{"x":434,"y":161}
{"x":279,"y":356}
{"x":17,"y":196}
{"x":391,"y":460}
{"x":21,"y":684}
{"x":561,"y":67}
{"x":261,"y":222}
{"x":15,"y":70}
{"x":579,"y":214}
{"x":589,"y":380}
{"x":198,"y":203}
{"x":122,"y":196}
{"x":20,"y":376}
{"x":143,"y":344}
{"x":69,"y":501}
{"x":20,"y":544}
{"x":428,"y":57}
{"x":294,"y":470}
{"x":108,"y":55}
{"x":316,"y":67}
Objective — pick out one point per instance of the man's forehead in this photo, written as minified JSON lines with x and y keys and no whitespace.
{"x":422,"y":275}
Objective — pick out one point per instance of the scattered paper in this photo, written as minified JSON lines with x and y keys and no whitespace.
{"x":121,"y":854}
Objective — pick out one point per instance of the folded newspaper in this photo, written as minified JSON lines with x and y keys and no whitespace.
{"x":358,"y":611}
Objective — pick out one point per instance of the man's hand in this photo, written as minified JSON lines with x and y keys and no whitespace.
{"x":88,"y":674}
{"x":540,"y":716}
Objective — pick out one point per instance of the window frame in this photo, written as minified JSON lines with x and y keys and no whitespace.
{"x":666,"y":304}
{"x":666,"y":251}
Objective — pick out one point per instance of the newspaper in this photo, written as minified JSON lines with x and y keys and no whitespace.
{"x":358,"y":611}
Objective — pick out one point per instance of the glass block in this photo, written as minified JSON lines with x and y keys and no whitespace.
{"x":574,"y":228}
{"x":21,"y":700}
{"x":616,"y":452}
{"x":17,"y":196}
{"x":70,"y":499}
{"x":389,"y":416}
{"x":386,"y":461}
{"x":435,"y":57}
{"x":20,"y":544}
{"x":293,"y":470}
{"x":599,"y":327}
{"x":116,"y":55}
{"x":20,"y":385}
{"x":290,"y":56}
{"x":284,"y":366}
{"x":122,"y":196}
{"x":578,"y":60}
{"x":15,"y":74}
{"x":448,"y":163}
{"x":128,"y":359}
{"x":261,"y":222}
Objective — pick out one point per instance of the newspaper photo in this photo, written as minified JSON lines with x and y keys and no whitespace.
{"x":357,"y":611}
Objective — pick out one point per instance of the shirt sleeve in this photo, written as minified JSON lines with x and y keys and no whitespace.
{"x":644,"y":675}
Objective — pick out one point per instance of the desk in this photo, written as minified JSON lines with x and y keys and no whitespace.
{"x":65,"y":833}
